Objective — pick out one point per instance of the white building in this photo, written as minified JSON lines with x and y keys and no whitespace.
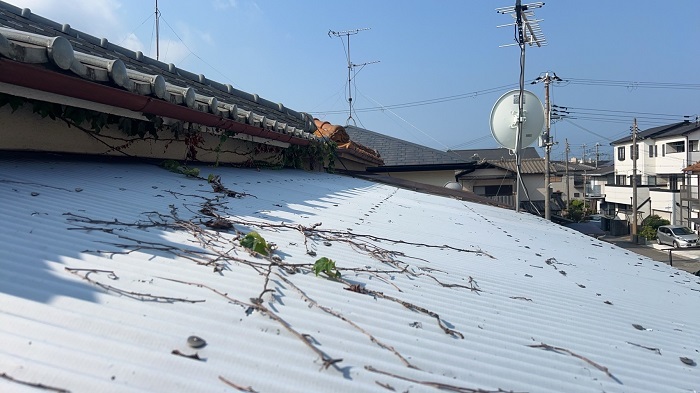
{"x":662,"y":187}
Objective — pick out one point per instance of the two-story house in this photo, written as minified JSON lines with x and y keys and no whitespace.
{"x":660,"y":155}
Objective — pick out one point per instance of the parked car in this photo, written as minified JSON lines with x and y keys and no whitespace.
{"x":677,"y":236}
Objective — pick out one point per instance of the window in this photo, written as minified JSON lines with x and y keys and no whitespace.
{"x":693,"y":145}
{"x":577,"y":194}
{"x":675,"y":147}
{"x":656,"y":151}
{"x":498,"y":190}
{"x":651,"y":151}
{"x":651,"y":180}
{"x":634,"y":152}
{"x":621,"y":153}
{"x":621,"y":180}
{"x":663,"y":150}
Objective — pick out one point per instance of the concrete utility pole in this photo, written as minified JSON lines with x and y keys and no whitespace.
{"x":597,"y":154}
{"x":634,"y":155}
{"x":547,"y":79}
{"x":583,"y":155}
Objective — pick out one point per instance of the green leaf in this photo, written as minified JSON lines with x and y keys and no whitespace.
{"x":326,"y":265}
{"x":253,"y":241}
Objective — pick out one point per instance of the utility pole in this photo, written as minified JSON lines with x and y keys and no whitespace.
{"x":547,"y":79}
{"x":634,"y":154}
{"x":351,"y":66}
{"x":597,"y":154}
{"x":583,"y":155}
{"x":157,"y":32}
{"x":568,"y":190}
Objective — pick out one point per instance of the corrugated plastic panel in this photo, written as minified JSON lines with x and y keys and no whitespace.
{"x":469,"y":296}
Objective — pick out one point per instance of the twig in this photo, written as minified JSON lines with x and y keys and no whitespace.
{"x":589,"y":361}
{"x":521,"y":298}
{"x":194,"y":356}
{"x":385,"y":386}
{"x":437,"y":385}
{"x":343,"y":318}
{"x":133,"y":295}
{"x":32,"y":384}
{"x":411,"y":307}
{"x":657,"y":350}
{"x":240,"y":388}
{"x":327,"y":360}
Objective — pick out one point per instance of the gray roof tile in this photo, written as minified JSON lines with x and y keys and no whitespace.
{"x":396,"y":151}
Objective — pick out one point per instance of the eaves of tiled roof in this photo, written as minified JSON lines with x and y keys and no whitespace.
{"x":694,"y":168}
{"x":40,"y":55}
{"x":395,"y":151}
{"x":109,"y":268}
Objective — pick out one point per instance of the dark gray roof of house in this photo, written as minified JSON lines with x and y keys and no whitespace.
{"x":396,"y":151}
{"x":494,"y":154}
{"x":602,"y":170}
{"x":674,"y":129}
{"x":96,"y":59}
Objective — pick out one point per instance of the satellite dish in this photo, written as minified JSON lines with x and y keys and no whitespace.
{"x":453,"y":185}
{"x":504,"y":119}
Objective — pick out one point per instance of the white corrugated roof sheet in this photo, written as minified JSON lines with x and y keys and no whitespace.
{"x":108,"y":268}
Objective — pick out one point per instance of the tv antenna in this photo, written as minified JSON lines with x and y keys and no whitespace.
{"x":527,"y":32}
{"x":351,"y":65}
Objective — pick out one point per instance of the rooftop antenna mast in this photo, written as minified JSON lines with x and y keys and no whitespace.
{"x":157,"y":32}
{"x":527,"y":32}
{"x":351,"y":65}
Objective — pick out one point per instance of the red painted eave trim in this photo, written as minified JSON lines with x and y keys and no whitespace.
{"x":43,"y":79}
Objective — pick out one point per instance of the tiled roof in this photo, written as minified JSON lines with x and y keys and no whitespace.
{"x":662,"y":132}
{"x":396,"y":151}
{"x":137,"y":82}
{"x":108,"y":268}
{"x":694,"y":168}
{"x":573,"y":166}
{"x":494,"y":154}
{"x":528,"y":166}
{"x":337,"y":134}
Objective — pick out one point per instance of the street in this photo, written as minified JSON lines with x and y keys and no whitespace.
{"x":684,"y":259}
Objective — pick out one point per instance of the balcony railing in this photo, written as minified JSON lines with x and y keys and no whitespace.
{"x":689,"y":192}
{"x":593,"y":191}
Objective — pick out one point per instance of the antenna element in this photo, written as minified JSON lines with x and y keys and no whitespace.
{"x":351,"y":65}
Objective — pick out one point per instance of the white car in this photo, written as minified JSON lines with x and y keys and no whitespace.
{"x":677,"y":236}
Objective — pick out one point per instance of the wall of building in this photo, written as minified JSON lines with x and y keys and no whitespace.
{"x":434,"y":178}
{"x":24,"y":130}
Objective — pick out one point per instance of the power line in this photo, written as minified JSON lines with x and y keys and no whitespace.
{"x":632,"y":85}
{"x":430,"y":101}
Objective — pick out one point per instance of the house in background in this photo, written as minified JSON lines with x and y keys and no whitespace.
{"x":596,"y":180}
{"x":661,"y":155}
{"x":500,"y":153}
{"x":410,"y":161}
{"x":496,"y":179}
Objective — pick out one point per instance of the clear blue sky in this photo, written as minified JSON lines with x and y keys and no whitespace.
{"x":620,"y":59}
